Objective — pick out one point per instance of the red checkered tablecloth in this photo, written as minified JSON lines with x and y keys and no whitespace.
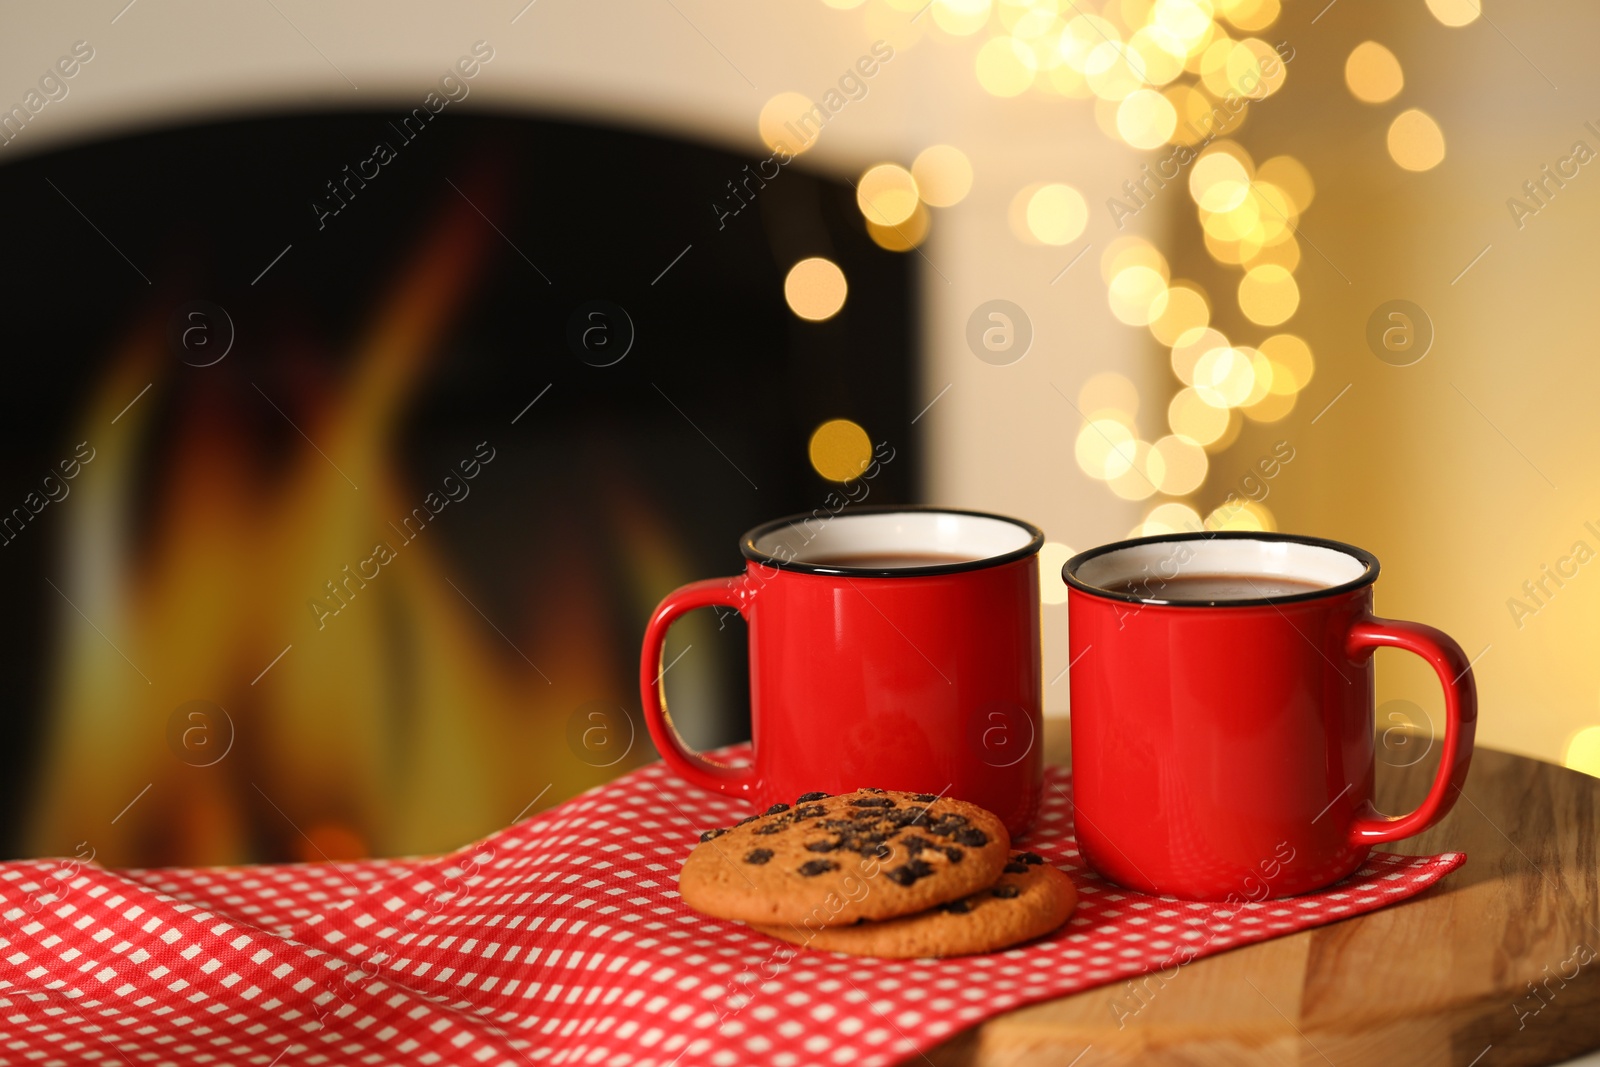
{"x":560,"y":940}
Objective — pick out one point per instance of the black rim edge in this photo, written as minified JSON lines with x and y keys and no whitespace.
{"x":747,"y":543}
{"x":1367,"y":577}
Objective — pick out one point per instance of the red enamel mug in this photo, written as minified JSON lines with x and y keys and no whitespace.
{"x":1222,"y":713}
{"x":891,"y":647}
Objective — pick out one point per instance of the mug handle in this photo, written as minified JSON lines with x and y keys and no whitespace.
{"x":690,"y":765}
{"x":1460,"y":722}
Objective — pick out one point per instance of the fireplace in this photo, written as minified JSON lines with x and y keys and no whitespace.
{"x":354,"y":449}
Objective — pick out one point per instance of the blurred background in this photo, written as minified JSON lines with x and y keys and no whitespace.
{"x":377,"y":368}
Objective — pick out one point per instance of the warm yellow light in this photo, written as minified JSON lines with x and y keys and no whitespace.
{"x":1271,"y":407}
{"x":1104,"y":447}
{"x":1109,"y":395}
{"x":844,"y":5}
{"x":1373,"y":73}
{"x":1218,"y":181}
{"x":1292,"y":363}
{"x":1110,"y":70}
{"x":1583,"y":751}
{"x":789,"y":122}
{"x":1190,"y":346}
{"x":1138,"y":295}
{"x":1236,"y":223}
{"x":1183,"y":465}
{"x":1224,"y":377}
{"x":902,"y":236}
{"x":1125,"y":252}
{"x":887,"y":194}
{"x":840,"y":450}
{"x":1146,"y":119}
{"x":1168,"y":518}
{"x":1415,"y":140}
{"x":1081,"y":36}
{"x":1285,"y":253}
{"x":1186,"y":310}
{"x":1187,"y":20}
{"x":1067,"y":82}
{"x":1005,"y":66}
{"x":1276,"y":211}
{"x":1191,"y":417}
{"x":1456,"y":12}
{"x":1214,"y":68}
{"x":1268,"y":295}
{"x":1194,"y":111}
{"x":1290,"y":175}
{"x":1261,"y":377}
{"x":943,"y":174}
{"x":1159,"y":55}
{"x":1241,"y":515}
{"x":960,"y":18}
{"x":1251,"y":15}
{"x":1053,"y":555}
{"x":1033,"y":20}
{"x":1055,"y":214}
{"x":1138,"y":478}
{"x":1231,"y":252}
{"x":1254,"y":69}
{"x":815,"y":289}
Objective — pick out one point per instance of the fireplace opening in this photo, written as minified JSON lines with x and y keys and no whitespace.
{"x":379,"y":460}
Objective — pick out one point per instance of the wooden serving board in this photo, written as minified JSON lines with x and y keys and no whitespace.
{"x":1441,"y":979}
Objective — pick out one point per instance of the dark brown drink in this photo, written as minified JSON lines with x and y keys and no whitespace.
{"x":1206,"y":587}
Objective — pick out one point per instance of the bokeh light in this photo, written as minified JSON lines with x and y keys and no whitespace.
{"x":1219,"y":182}
{"x":1290,"y":175}
{"x":1191,"y":417}
{"x":943,"y":174}
{"x":1244,"y":515}
{"x":840,"y":450}
{"x":1146,"y":119}
{"x":815,"y":289}
{"x":1456,"y":12}
{"x":1190,"y":346}
{"x":1583,"y":751}
{"x":1005,"y":66}
{"x":1139,"y":475}
{"x":887,"y":194}
{"x":1268,"y":295}
{"x":1104,"y":447}
{"x":1373,"y":73}
{"x":782,"y":123}
{"x":903,"y":236}
{"x":1138,"y":295}
{"x":1186,"y":309}
{"x":1225,"y":377}
{"x":1183,"y":465}
{"x":1109,"y":395}
{"x":1055,"y":214}
{"x":1125,"y":252}
{"x":1415,"y":140}
{"x":1292,"y":363}
{"x":961,"y":18}
{"x":1168,"y":518}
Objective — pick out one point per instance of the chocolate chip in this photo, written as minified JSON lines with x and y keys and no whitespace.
{"x":822,"y":846}
{"x":758,"y":856}
{"x":926,"y":798}
{"x":804,"y":797}
{"x":872,"y":802}
{"x":752,"y":818}
{"x":771,"y":828}
{"x":775,"y":809}
{"x":1006,"y":892}
{"x":956,"y":907}
{"x":971,"y":837}
{"x":954,"y":855}
{"x":709,"y":834}
{"x":1030,"y":857}
{"x":915,"y":844}
{"x":810,"y":811}
{"x":868,"y":789}
{"x":812,"y":868}
{"x":907,"y":873}
{"x":1015,"y":867}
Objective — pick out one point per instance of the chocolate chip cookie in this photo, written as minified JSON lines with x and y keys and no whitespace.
{"x":1030,"y":899}
{"x":826,"y":861}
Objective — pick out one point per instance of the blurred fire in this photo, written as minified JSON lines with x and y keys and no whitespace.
{"x":405,"y":726}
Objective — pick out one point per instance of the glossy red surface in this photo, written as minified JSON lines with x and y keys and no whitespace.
{"x":1228,"y":751}
{"x":923,"y":683}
